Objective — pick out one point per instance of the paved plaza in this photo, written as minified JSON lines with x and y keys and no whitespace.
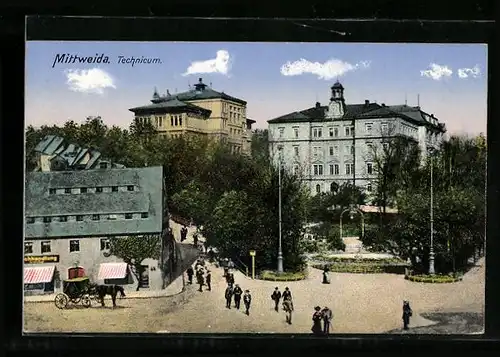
{"x":361,"y":303}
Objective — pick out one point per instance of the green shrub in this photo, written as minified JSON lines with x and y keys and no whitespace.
{"x":285,"y":276}
{"x":434,"y":279}
{"x":366,"y":267}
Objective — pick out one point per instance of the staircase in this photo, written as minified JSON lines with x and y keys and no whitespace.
{"x":353,"y":245}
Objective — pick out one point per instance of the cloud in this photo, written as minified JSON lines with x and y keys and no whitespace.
{"x":328,"y":70}
{"x":219,"y":64}
{"x":469,"y":72}
{"x":93,"y":80}
{"x":436,"y":72}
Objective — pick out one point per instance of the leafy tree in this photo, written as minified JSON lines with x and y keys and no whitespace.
{"x":331,"y":234}
{"x":260,"y":145}
{"x":134,"y":250}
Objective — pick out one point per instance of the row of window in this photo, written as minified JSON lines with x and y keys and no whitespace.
{"x":334,"y":169}
{"x":74,"y":246}
{"x":81,"y":218}
{"x":333,"y":187}
{"x":334,"y":150}
{"x":334,"y":131}
{"x":98,"y":189}
{"x":235,"y":131}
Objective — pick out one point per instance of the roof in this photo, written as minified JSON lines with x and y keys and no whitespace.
{"x":171,"y":103}
{"x":251,"y":121}
{"x":337,"y":85}
{"x":147,"y":198}
{"x":358,"y":111}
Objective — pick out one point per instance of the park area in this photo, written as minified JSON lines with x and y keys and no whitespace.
{"x":361,"y":303}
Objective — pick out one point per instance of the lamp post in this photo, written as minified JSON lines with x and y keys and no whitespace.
{"x":431,"y":252}
{"x":280,"y":252}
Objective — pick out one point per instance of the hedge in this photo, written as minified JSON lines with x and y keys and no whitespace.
{"x":285,"y":276}
{"x":337,"y":259}
{"x":364,"y":268}
{"x":435,"y":279}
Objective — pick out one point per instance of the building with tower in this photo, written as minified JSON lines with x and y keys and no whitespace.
{"x":334,"y":144}
{"x":200,"y":111}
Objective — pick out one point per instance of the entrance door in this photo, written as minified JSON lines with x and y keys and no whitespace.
{"x":144,"y":283}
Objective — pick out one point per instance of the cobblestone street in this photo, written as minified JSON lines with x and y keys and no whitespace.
{"x":361,"y":304}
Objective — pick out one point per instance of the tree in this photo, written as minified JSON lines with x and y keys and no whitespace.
{"x":260,"y":145}
{"x":134,"y":250}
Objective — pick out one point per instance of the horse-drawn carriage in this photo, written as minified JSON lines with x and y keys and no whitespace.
{"x":76,"y":291}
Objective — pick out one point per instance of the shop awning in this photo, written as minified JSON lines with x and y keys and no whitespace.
{"x":37,"y":275}
{"x":112,"y":271}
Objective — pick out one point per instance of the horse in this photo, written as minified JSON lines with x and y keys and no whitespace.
{"x":101,"y":291}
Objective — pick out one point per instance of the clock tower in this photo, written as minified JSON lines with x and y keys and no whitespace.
{"x":336,"y":108}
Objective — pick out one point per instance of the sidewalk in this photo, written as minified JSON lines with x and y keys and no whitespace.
{"x":173,"y":289}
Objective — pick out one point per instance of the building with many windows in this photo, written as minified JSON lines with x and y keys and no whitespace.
{"x":71,"y":215}
{"x":336,"y":143}
{"x":200,"y":111}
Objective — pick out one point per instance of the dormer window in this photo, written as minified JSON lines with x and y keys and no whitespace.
{"x":67,"y":190}
{"x":83,"y":190}
{"x":114,"y":188}
{"x":130,"y":188}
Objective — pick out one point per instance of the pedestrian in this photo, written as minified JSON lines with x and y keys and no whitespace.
{"x":237,"y":292}
{"x":326,"y":279}
{"x":247,"y":300}
{"x":317,"y":317}
{"x":288,"y":308}
{"x":327,"y":319}
{"x":407,"y":313}
{"x":184,"y":232}
{"x":201,"y":281}
{"x":208,"y":279}
{"x":228,"y":294}
{"x":190,"y":273}
{"x":231,"y":278}
{"x":287,"y":294}
{"x":230,"y":265}
{"x":276,"y":297}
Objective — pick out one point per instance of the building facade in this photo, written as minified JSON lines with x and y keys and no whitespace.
{"x":200,"y":111}
{"x":70,"y":217}
{"x":330,"y":145}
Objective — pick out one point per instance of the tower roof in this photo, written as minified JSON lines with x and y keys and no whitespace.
{"x":337,"y":85}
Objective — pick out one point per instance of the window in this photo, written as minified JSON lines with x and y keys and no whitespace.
{"x":144,"y":215}
{"x":45,"y":246}
{"x":296,"y":132}
{"x":63,"y":219}
{"x":98,"y":189}
{"x":369,"y":168}
{"x":336,"y":170}
{"x":336,"y":149}
{"x":83,"y":190}
{"x":114,"y":188}
{"x":30,"y":220}
{"x":369,"y":187}
{"x":336,"y":132}
{"x":128,"y":215}
{"x":103,"y":165}
{"x":368,"y":127}
{"x":105,"y":244}
{"x":352,"y":150}
{"x":74,"y":245}
{"x":171,"y":121}
{"x":281,"y":132}
{"x":130,"y":188}
{"x":349,"y":169}
{"x":67,"y":190}
{"x":52,"y":191}
{"x":331,"y":150}
{"x":47,"y":219}
{"x":348,"y":131}
{"x":330,"y":130}
{"x":369,"y":148}
{"x":317,"y":132}
{"x":318,"y":170}
{"x":384,"y":128}
{"x":334,"y":187}
{"x":331,"y":169}
{"x":79,"y":218}
{"x":95,"y":217}
{"x":296,"y":150}
{"x":175,"y":120}
{"x":28,"y":247}
{"x":318,"y":188}
{"x":347,"y":149}
{"x":385,"y":146}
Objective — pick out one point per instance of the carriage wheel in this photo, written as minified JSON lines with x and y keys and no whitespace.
{"x":61,"y":300}
{"x":86,"y":301}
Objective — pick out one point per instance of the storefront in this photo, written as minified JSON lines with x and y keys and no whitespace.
{"x":114,"y":273}
{"x":40,"y":279}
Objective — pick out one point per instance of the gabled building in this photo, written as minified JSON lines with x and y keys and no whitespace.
{"x":199,"y":111}
{"x":333,"y":144}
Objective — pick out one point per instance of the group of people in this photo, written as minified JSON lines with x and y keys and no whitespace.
{"x":276,"y":296}
{"x":324,"y":315}
{"x":203,"y":275}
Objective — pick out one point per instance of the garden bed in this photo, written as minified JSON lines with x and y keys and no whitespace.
{"x":364,"y":265}
{"x":433,"y":279}
{"x":285,"y":276}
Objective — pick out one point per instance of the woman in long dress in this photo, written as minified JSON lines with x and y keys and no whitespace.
{"x":317,"y":317}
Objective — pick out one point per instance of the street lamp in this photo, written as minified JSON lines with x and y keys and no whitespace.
{"x":280,"y":252}
{"x":431,"y":252}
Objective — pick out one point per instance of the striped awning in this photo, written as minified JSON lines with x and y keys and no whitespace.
{"x":112,"y":271}
{"x":37,"y":275}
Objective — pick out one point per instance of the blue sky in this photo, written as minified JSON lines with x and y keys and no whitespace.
{"x":255,"y":72}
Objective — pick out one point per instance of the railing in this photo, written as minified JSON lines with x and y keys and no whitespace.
{"x":240,"y":267}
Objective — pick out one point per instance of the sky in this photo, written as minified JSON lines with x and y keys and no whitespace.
{"x":450,"y":80}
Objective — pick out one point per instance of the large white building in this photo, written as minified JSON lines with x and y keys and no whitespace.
{"x":336,"y":143}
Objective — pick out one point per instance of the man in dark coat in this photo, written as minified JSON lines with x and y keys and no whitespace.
{"x":201,"y":281}
{"x":247,"y":300}
{"x":276,"y":297}
{"x":287,"y":294}
{"x":184,"y":232}
{"x":190,"y":273}
{"x":228,"y":294}
{"x":327,"y":315}
{"x":208,"y":279}
{"x":407,"y":313}
{"x":237,"y":296}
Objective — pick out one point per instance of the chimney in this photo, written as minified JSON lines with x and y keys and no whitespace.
{"x":383,"y":104}
{"x":367,"y":102}
{"x":318,"y":104}
{"x":200,"y":80}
